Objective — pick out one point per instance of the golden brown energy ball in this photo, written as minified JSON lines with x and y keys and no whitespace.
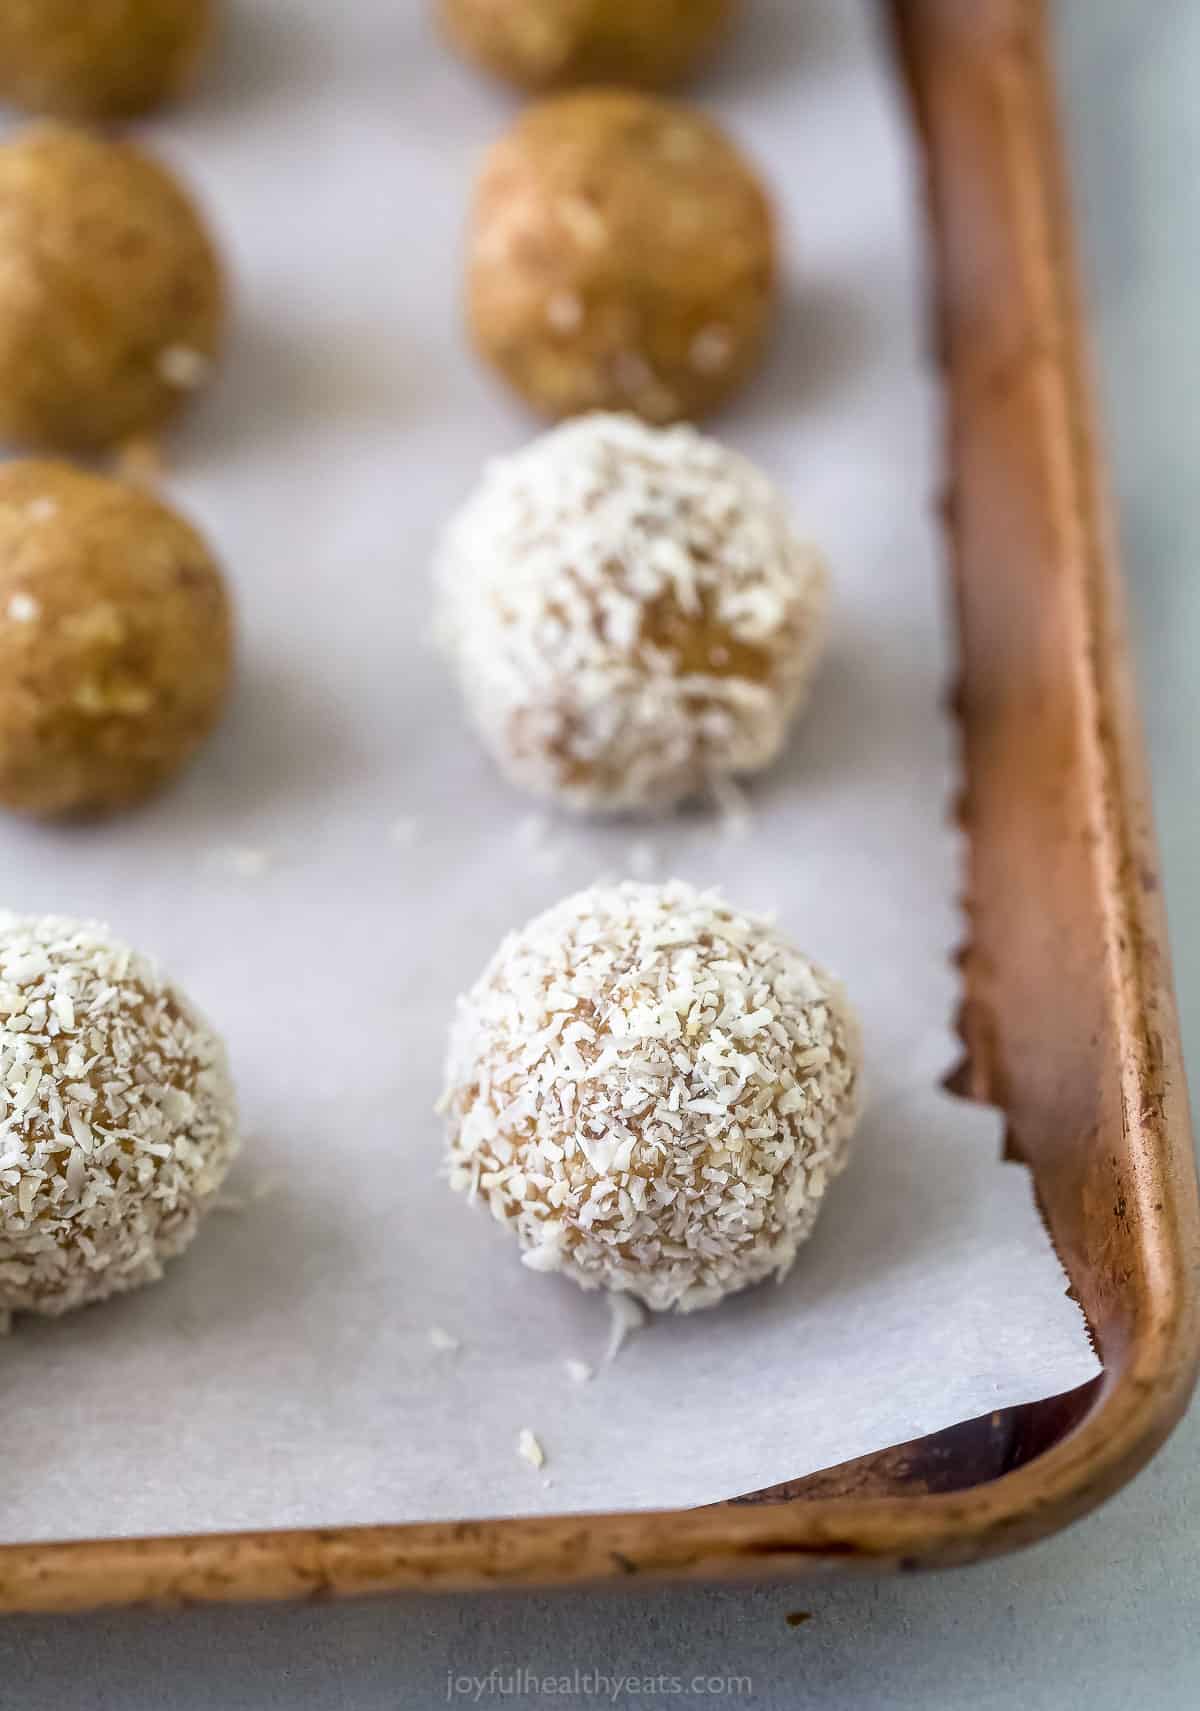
{"x":621,"y":257}
{"x":547,"y":44}
{"x":100,"y":59}
{"x":116,"y":641}
{"x":111,"y":296}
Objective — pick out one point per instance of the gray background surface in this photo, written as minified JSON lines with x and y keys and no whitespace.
{"x":1103,"y":1616}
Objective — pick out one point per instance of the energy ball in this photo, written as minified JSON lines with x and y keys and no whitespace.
{"x":119,"y":1119}
{"x":544,"y":44}
{"x":652,"y":1090}
{"x":100,"y":59}
{"x":116,"y":641}
{"x":630,"y":615}
{"x":111,"y":295}
{"x":621,"y":257}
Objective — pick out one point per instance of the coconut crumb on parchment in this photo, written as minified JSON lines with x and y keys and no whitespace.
{"x":239,"y":1202}
{"x":626,"y":1317}
{"x":239,"y":861}
{"x":733,"y":805}
{"x":404,"y":832}
{"x":529,"y":1448}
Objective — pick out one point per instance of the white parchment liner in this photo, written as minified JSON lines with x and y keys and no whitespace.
{"x":284,"y":1374}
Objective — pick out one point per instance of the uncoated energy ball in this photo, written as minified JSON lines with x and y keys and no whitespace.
{"x":653,"y":1091}
{"x":542,"y":44}
{"x":100,"y":59}
{"x":621,"y":257}
{"x":630,"y":615}
{"x":111,"y":297}
{"x":116,"y":641}
{"x":119,"y":1117}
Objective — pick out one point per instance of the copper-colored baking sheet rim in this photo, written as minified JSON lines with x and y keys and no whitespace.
{"x":1068,"y":1019}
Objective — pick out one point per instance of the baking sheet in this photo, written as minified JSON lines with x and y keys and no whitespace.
{"x":343,"y":859}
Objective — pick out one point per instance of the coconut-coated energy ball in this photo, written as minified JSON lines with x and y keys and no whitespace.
{"x":100,"y":59}
{"x":629,"y":613}
{"x":652,"y":1090}
{"x":111,"y":295}
{"x":119,"y":1116}
{"x":621,"y":257}
{"x":544,"y":44}
{"x":116,"y":641}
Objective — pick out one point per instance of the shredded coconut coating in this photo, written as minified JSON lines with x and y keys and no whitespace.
{"x":117,"y":1116}
{"x":630,"y":614}
{"x":653,"y":1091}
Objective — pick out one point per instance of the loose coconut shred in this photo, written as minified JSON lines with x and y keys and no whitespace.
{"x":653,"y":1091}
{"x":630,"y":614}
{"x":117,"y":1120}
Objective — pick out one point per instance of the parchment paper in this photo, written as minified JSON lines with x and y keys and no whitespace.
{"x":343,"y":859}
